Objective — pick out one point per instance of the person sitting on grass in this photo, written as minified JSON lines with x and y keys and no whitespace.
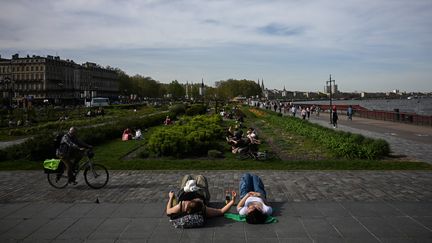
{"x":167,"y":121}
{"x":253,"y":202}
{"x":253,"y":140}
{"x":138,"y":134}
{"x":127,"y":134}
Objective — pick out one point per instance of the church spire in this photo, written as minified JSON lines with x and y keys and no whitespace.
{"x":201,"y":89}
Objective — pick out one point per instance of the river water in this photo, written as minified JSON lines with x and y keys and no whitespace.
{"x":421,"y":106}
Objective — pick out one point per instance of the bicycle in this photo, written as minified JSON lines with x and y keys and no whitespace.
{"x":249,"y":153}
{"x":96,"y":176}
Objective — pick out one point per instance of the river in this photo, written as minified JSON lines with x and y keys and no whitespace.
{"x":421,"y":106}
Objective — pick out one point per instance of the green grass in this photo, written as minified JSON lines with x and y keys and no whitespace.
{"x":231,"y":164}
{"x":115,"y":150}
{"x":111,"y":154}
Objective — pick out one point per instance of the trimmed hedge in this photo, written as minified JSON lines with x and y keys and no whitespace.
{"x":196,"y":109}
{"x":341,"y":144}
{"x":189,"y":136}
{"x":177,"y":109}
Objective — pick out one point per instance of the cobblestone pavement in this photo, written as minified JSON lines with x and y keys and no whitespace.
{"x":311,"y":206}
{"x":281,"y":186}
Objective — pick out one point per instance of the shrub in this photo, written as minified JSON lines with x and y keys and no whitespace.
{"x":177,"y":109}
{"x":196,"y":109}
{"x":190,"y":136}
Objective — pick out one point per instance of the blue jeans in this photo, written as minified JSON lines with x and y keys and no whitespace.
{"x":251,"y":183}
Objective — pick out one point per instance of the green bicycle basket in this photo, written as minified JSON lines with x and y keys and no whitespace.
{"x":51,"y":164}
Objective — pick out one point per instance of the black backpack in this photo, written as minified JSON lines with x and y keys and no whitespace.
{"x":57,"y":139}
{"x":61,"y":149}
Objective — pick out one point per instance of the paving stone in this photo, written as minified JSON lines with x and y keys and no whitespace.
{"x":292,"y":186}
{"x":370,"y":209}
{"x":111,"y":228}
{"x":6,"y":209}
{"x":295,"y":240}
{"x":81,"y":229}
{"x":131,"y":208}
{"x":381,"y":228}
{"x":319,"y":227}
{"x":51,"y":230}
{"x":414,"y":208}
{"x":290,"y":227}
{"x":351,"y":228}
{"x":409,"y":227}
{"x":23,"y":229}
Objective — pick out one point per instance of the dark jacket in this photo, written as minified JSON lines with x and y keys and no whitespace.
{"x":69,"y":146}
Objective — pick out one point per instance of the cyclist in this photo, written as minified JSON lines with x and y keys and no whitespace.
{"x":71,"y":151}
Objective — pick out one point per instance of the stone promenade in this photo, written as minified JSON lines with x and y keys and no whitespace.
{"x":311,"y":206}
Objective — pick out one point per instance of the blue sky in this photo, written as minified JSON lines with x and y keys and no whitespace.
{"x":368,"y":45}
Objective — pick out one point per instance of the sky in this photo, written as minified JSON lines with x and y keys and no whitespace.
{"x":366,"y":45}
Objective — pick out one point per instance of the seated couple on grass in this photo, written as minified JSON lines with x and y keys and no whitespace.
{"x":192,"y":208}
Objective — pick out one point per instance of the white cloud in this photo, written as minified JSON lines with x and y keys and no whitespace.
{"x":379,"y":31}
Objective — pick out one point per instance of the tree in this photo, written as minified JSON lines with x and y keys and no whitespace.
{"x":176,"y":90}
{"x":231,"y":88}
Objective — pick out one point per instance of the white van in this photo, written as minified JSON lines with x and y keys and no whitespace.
{"x":98,"y":101}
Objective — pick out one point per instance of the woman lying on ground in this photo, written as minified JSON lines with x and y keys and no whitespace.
{"x":253,"y":202}
{"x":192,"y":208}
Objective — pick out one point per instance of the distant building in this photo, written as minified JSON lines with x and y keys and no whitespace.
{"x":50,"y":78}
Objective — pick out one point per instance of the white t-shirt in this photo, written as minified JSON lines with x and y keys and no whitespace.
{"x":266,"y":209}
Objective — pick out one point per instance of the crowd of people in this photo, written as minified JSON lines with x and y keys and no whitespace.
{"x":305,"y":111}
{"x":240,"y":142}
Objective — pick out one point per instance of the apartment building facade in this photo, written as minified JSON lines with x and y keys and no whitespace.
{"x":52,"y":79}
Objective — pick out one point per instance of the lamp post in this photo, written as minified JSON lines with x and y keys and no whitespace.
{"x":330,"y":89}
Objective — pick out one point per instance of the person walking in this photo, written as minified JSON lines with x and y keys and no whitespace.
{"x":334,"y":117}
{"x":303,"y":113}
{"x":350,"y":112}
{"x":293,"y":110}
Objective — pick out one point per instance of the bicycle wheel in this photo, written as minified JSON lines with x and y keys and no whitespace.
{"x":96,"y":176}
{"x":243,"y":156}
{"x":265,"y":156}
{"x":58,"y":179}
